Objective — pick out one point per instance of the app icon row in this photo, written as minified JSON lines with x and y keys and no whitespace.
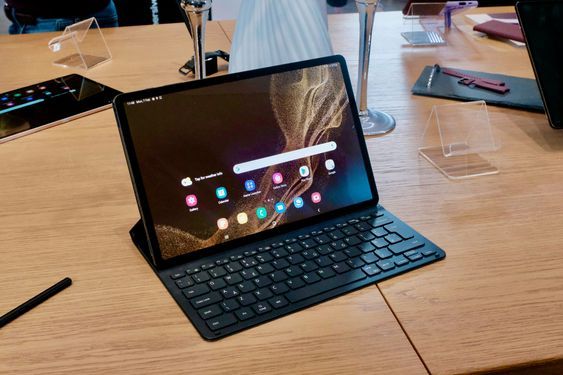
{"x":262,"y":213}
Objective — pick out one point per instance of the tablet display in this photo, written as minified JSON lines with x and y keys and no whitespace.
{"x":543,"y":30}
{"x":230,"y":159}
{"x":48,"y":103}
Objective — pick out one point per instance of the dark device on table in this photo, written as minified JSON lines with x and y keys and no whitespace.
{"x":257,"y":196}
{"x":543,"y":31}
{"x":36,"y":107}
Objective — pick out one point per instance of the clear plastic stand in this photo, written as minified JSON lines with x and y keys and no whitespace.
{"x":455,"y":138}
{"x":424,"y":24}
{"x":82,"y":45}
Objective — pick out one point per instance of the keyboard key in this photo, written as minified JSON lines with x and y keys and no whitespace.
{"x":233,"y":279}
{"x":245,"y":313}
{"x":196,"y":291}
{"x":323,"y":261}
{"x":250,"y":253}
{"x":326,"y":273}
{"x":206,"y":300}
{"x":379,"y":221}
{"x":221,"y":321}
{"x":295,"y":283}
{"x":290,"y":240}
{"x":201,"y":277}
{"x":207,"y":266}
{"x":278,"y":276}
{"x":264,"y":258}
{"x":338,"y":257}
{"x":249,"y":262}
{"x":352,"y":252}
{"x":371,"y":269}
{"x":263,"y":294}
{"x":400,"y":261}
{"x":275,"y":245}
{"x":383,"y":253}
{"x":230,"y":305}
{"x":379,"y":232}
{"x":427,"y":253}
{"x":311,"y":278}
{"x":402,"y":230}
{"x":336,"y":235}
{"x":340,"y":267}
{"x":217,"y":284}
{"x":262,"y":308}
{"x":393,"y":238}
{"x":362,"y":227}
{"x":217,"y":272}
{"x":236,"y":257}
{"x":309,"y":266}
{"x":380,"y":243}
{"x":294,"y":248}
{"x":184,"y":282}
{"x":295,"y":259}
{"x":233,"y":267}
{"x":385,"y":265}
{"x":316,"y":233}
{"x":221,"y":262}
{"x":414,"y":257}
{"x":279,"y":288}
{"x":310,"y":254}
{"x":230,"y":292}
{"x":322,"y":239}
{"x":339,"y":245}
{"x":262,"y":281}
{"x":293,"y":271}
{"x":246,"y":287}
{"x":355,"y":262}
{"x":325,"y":286}
{"x":192,"y":270}
{"x":246,"y":299}
{"x":177,"y":275}
{"x":370,"y":258}
{"x":250,"y":273}
{"x":279,"y":253}
{"x":364,"y":218}
{"x":210,"y":312}
{"x":262,"y":249}
{"x":308,"y":244}
{"x":349,"y":231}
{"x":366,"y":247}
{"x":303,"y":237}
{"x":265,"y":269}
{"x":278,"y":302}
{"x":352,"y":241}
{"x":366,"y":236}
{"x":324,"y":249}
{"x":280,"y":264}
{"x":406,"y":246}
{"x":330,"y":228}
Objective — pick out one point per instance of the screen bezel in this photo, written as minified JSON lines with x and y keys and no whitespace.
{"x":523,"y":12}
{"x":142,"y":201}
{"x":110,"y":90}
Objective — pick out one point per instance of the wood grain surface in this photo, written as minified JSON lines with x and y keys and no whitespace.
{"x":67,"y":205}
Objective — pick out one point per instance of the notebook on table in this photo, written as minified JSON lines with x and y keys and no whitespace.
{"x":257,"y":196}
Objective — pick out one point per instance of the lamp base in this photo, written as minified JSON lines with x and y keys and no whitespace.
{"x":375,"y":122}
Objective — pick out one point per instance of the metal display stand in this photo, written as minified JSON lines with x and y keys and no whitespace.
{"x":456,"y":137}
{"x":82,"y":45}
{"x":197,"y":13}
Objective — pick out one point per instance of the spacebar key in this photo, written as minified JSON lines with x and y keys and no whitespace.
{"x":325,"y":286}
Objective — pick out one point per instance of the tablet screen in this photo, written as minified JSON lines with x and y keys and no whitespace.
{"x":232,"y":159}
{"x":541,"y":23}
{"x":48,"y":102}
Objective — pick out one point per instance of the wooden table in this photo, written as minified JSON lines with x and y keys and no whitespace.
{"x":66,"y":209}
{"x":494,"y":303}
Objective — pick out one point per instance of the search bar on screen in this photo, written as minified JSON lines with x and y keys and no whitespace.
{"x":268,"y":161}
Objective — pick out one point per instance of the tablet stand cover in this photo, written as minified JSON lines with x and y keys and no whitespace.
{"x":523,"y":94}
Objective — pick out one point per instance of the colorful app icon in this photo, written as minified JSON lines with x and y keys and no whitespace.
{"x":329,"y":164}
{"x":280,"y":207}
{"x":277,"y":178}
{"x":298,"y":202}
{"x":191,"y":200}
{"x":316,"y":197}
{"x":187,"y":181}
{"x":261,"y":213}
{"x":242,"y":218}
{"x":222,"y":223}
{"x":249,"y":185}
{"x":221,"y":192}
{"x":303,"y":171}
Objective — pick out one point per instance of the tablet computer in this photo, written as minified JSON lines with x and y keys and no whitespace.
{"x":543,"y":31}
{"x":35,"y":107}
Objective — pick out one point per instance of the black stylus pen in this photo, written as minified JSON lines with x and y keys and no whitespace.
{"x":28,"y":305}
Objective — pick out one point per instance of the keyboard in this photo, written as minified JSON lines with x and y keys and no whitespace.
{"x":229,"y":292}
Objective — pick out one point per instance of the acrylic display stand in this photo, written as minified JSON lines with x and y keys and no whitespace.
{"x":425,"y":24}
{"x":82,"y":45}
{"x":456,"y":137}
